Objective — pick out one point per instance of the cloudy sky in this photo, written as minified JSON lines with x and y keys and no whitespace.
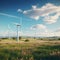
{"x":37,"y":17}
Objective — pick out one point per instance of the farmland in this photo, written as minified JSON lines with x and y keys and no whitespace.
{"x":29,"y":49}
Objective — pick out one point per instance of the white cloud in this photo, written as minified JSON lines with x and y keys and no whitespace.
{"x":33,"y":32}
{"x":4,"y":14}
{"x":41,"y":30}
{"x":58,"y":30}
{"x":38,"y":26}
{"x":35,"y":17}
{"x":24,"y":12}
{"x":19,"y":10}
{"x":51,"y":19}
{"x":10,"y":33}
{"x":34,"y":7}
{"x":56,"y":33}
{"x":45,"y":12}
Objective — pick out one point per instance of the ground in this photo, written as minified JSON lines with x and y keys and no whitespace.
{"x":33,"y":49}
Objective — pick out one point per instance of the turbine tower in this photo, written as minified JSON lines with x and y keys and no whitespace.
{"x":18,"y":32}
{"x":17,"y":25}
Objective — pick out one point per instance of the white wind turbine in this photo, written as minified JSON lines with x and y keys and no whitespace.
{"x":8,"y":31}
{"x":17,"y":25}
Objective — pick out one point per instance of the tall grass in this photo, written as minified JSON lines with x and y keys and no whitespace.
{"x":24,"y":52}
{"x":29,"y":50}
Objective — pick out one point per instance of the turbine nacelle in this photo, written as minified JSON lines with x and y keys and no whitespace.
{"x":17,"y":24}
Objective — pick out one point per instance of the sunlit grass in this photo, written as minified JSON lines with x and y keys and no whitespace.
{"x":29,"y":50}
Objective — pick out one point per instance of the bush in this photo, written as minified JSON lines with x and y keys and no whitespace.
{"x":20,"y":38}
{"x":4,"y":38}
{"x":58,"y":38}
{"x":13,"y":38}
{"x":26,"y":40}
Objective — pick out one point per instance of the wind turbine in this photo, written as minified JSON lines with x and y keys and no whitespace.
{"x":17,"y":25}
{"x":8,"y":31}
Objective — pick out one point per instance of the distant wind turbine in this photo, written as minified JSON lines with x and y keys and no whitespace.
{"x":8,"y":31}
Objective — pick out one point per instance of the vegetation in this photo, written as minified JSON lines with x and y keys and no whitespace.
{"x":32,"y":50}
{"x":26,"y":40}
{"x":58,"y":38}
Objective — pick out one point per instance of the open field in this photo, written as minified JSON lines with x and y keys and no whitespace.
{"x":29,"y":50}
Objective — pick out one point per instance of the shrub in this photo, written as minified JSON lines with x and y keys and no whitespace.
{"x":26,"y":40}
{"x":20,"y":38}
{"x":58,"y":38}
{"x":13,"y":38}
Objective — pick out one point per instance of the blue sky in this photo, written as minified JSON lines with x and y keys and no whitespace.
{"x":37,"y":17}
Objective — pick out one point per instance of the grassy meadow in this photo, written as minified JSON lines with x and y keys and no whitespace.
{"x":29,"y":49}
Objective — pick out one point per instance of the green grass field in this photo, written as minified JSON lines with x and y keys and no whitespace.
{"x":29,"y":50}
